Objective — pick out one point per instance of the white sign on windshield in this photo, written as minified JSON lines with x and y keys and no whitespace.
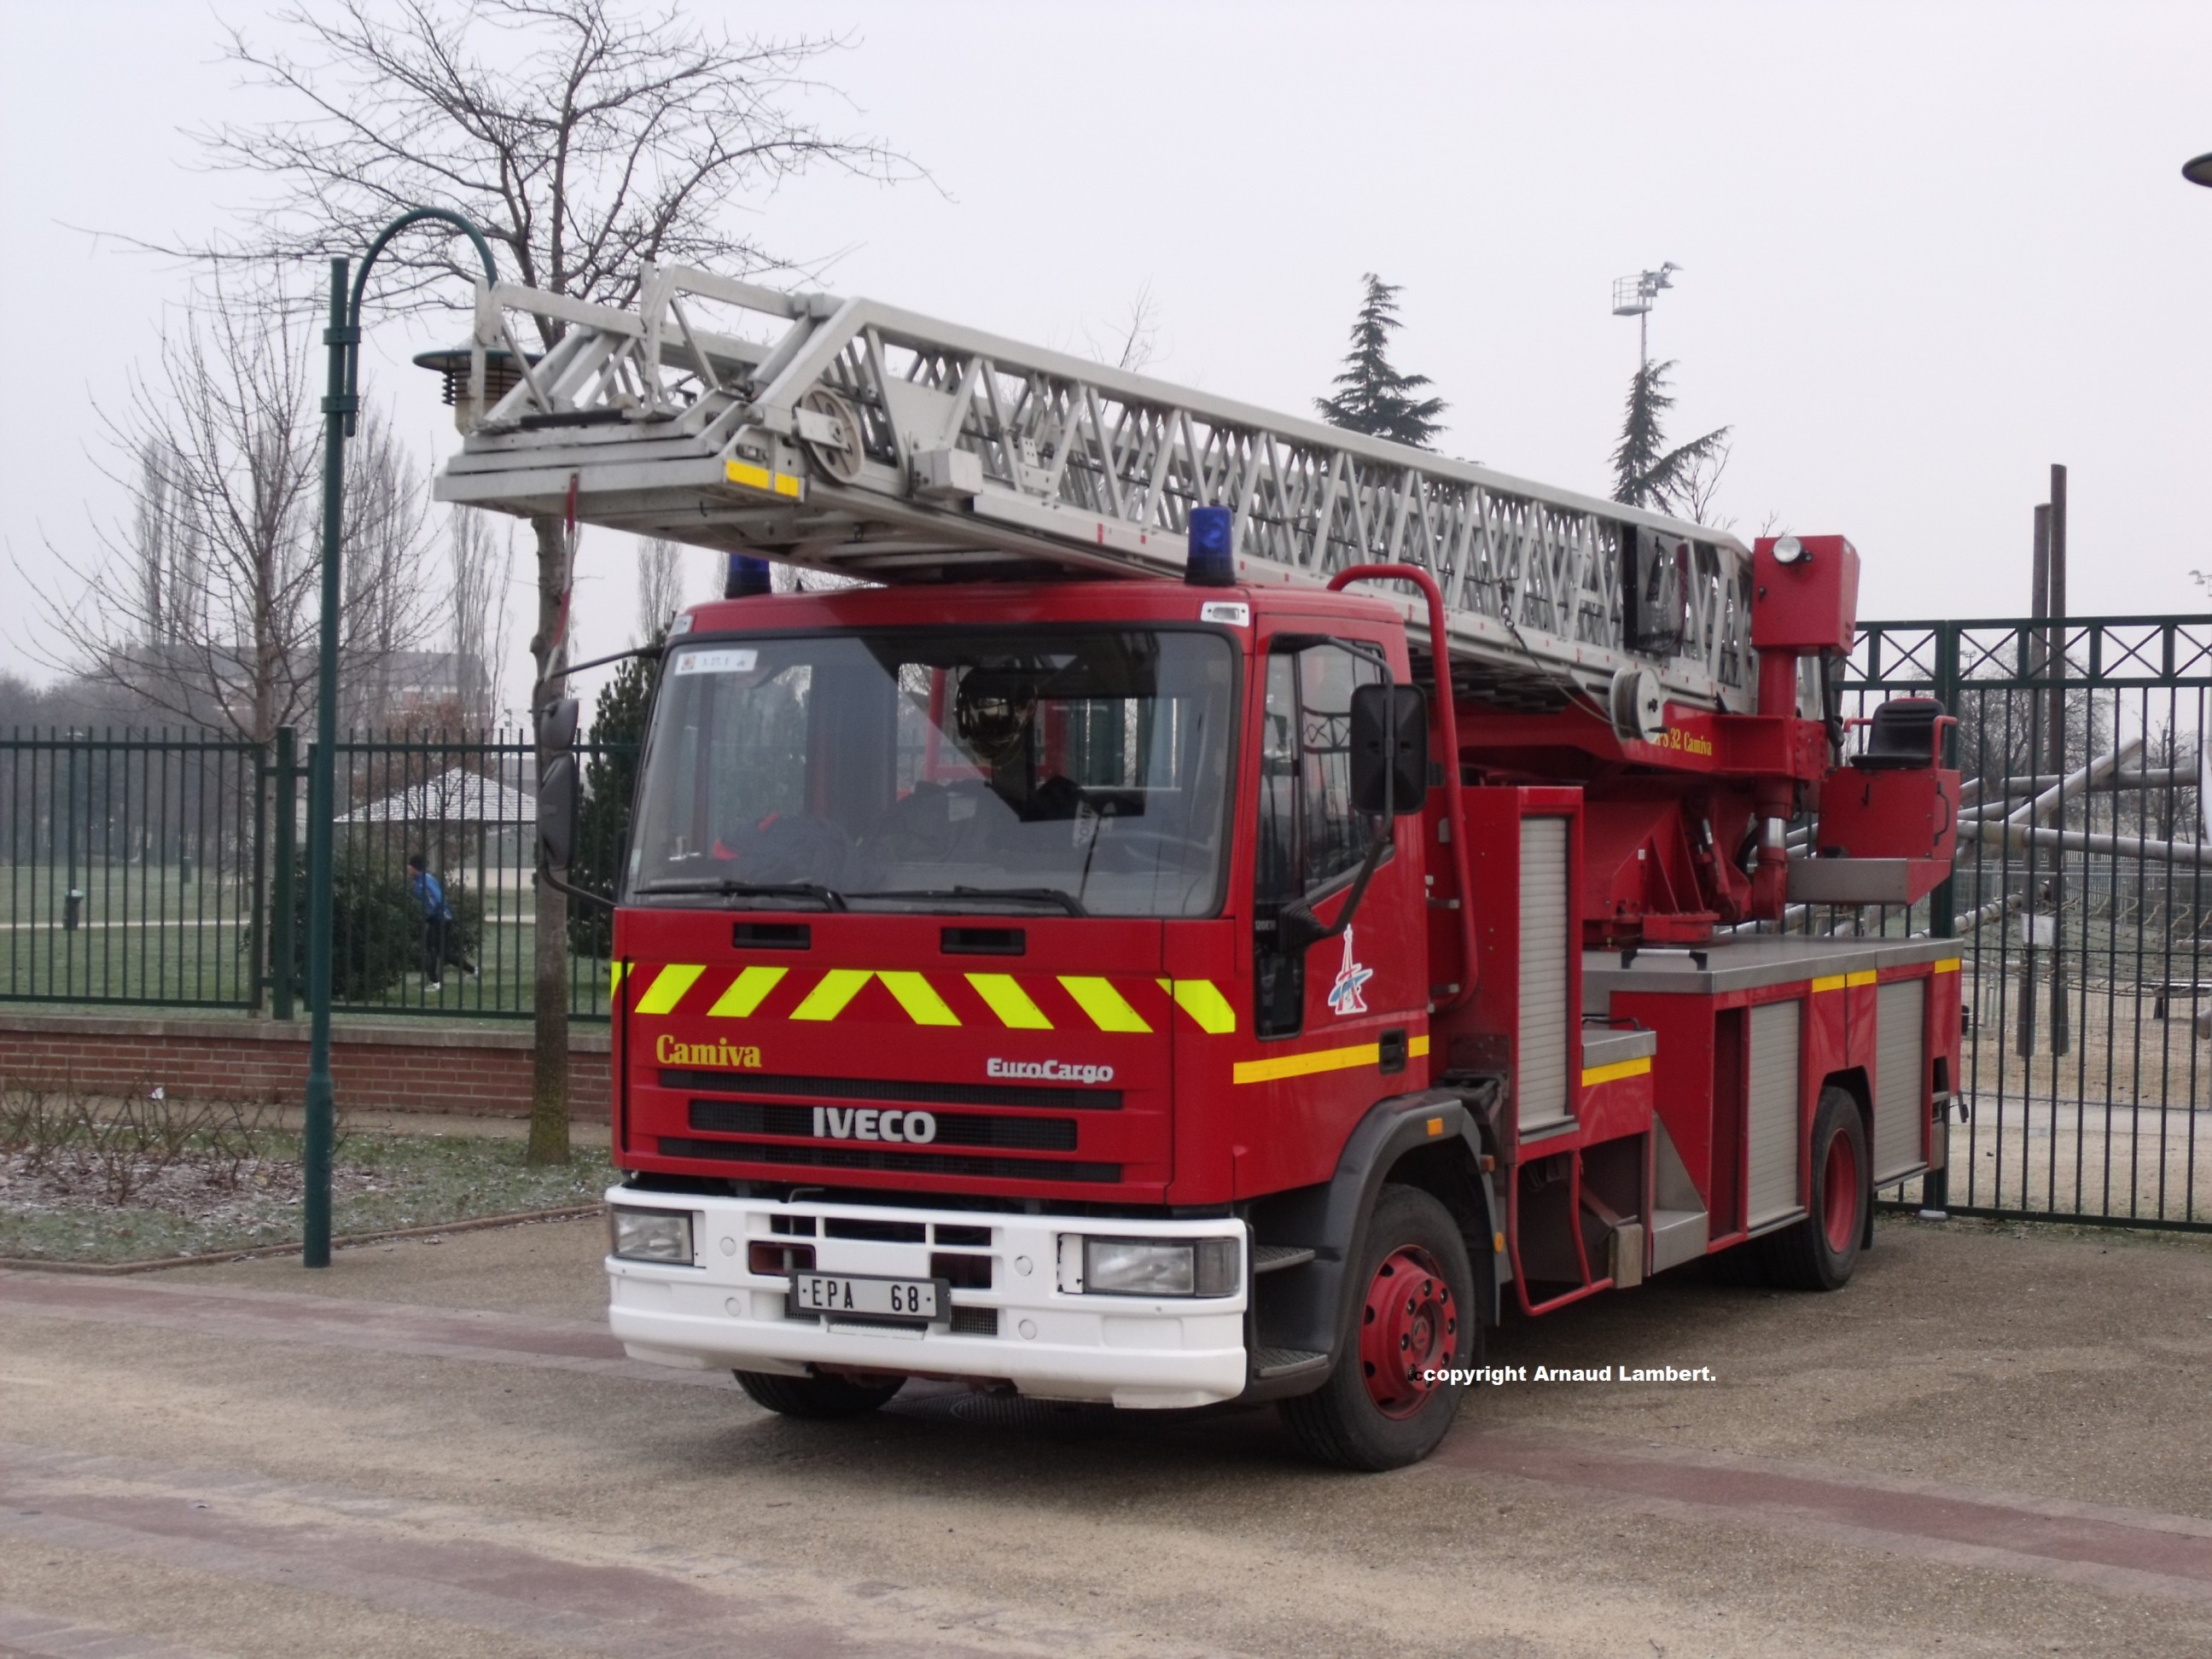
{"x":717,"y":662}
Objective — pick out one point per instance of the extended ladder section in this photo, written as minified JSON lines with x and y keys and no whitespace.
{"x":851,"y":436}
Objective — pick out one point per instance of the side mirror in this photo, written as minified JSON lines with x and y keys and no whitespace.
{"x":1389,"y":749}
{"x":556,"y":815}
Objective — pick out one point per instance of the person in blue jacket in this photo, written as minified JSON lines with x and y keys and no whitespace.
{"x":441,"y":942}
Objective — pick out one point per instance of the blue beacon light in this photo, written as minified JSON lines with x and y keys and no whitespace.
{"x":748,"y":578}
{"x":1211,"y":563}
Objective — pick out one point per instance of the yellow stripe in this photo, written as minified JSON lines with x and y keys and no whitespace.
{"x":746,"y":993}
{"x":919,"y":998}
{"x":1947,"y":964}
{"x":1009,"y":1002}
{"x":759,"y":477}
{"x":1419,"y":1047}
{"x":1320,"y":1060}
{"x":1108,"y":1010}
{"x":1864,"y":976}
{"x":1620,"y":1068}
{"x":839,"y":987}
{"x":1203,"y":1002}
{"x":1834,"y":982}
{"x":669,"y":986}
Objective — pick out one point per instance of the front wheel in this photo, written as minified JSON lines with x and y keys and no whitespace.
{"x":1383,"y":1407}
{"x":823,"y":1398}
{"x":1821,"y":1252}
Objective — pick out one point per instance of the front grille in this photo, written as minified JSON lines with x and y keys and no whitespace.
{"x":843,"y":1157}
{"x":749,"y":1117}
{"x":905,"y":1094}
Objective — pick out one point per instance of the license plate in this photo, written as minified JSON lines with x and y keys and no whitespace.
{"x":885,"y":1298}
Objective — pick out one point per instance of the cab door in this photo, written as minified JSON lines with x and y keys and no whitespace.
{"x":1341,"y":1024}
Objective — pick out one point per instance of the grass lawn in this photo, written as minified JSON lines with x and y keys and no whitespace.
{"x":78,"y":1202}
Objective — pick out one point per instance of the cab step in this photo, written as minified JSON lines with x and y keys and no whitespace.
{"x":1273,"y":1258}
{"x":1271,"y":1365}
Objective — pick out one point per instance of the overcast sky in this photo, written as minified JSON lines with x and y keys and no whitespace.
{"x":1926,"y":249}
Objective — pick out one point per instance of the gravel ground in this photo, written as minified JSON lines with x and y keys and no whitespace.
{"x":1995,"y":1441}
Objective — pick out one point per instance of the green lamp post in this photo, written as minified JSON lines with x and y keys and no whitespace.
{"x":341,"y":404}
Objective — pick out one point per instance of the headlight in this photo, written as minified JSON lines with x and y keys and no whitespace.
{"x":1154,"y":1267}
{"x":662,"y":1235}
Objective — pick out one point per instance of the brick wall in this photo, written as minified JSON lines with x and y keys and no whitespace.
{"x":385,"y":1065}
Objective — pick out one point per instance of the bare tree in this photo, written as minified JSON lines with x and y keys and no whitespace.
{"x":584,"y":137}
{"x":1699,"y":483}
{"x":217,"y":460}
{"x":482,"y":569}
{"x":659,"y":587}
{"x":390,"y":609}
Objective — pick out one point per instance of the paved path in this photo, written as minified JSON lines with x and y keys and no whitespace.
{"x":1990,"y":1444}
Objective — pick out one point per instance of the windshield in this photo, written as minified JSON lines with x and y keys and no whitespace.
{"x":1083,"y":772}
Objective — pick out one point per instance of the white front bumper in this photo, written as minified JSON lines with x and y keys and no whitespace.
{"x":1134,"y":1351}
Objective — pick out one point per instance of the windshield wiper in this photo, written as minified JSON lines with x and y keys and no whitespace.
{"x":1053,"y":896}
{"x":730,"y":887}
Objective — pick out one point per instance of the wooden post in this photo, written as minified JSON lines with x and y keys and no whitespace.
{"x":2031,"y":669}
{"x":2061,"y":1026}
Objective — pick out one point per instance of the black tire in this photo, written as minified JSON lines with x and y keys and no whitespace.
{"x":1821,"y":1252}
{"x":1342,"y":1422}
{"x":821,"y":1398}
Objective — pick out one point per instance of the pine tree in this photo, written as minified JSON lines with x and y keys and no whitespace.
{"x":1645,"y":472}
{"x":617,"y":743}
{"x":1371,"y":396}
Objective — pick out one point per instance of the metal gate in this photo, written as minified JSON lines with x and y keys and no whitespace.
{"x":2080,"y":896}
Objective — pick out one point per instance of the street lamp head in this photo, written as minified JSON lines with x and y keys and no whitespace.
{"x":501,"y":376}
{"x":2198,"y":170}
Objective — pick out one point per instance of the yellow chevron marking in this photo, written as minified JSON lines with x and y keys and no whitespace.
{"x":1108,"y":1009}
{"x":746,"y":993}
{"x":839,"y":987}
{"x":615,"y":978}
{"x":919,"y":998}
{"x":1320,"y":1059}
{"x":1864,"y":976}
{"x":1832,"y":983}
{"x":1011,"y":1003}
{"x":1947,"y":964}
{"x":1203,"y":1002}
{"x":1596,"y":1075}
{"x":669,"y":986}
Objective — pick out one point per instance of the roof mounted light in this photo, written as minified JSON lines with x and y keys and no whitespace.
{"x":1211,"y":563}
{"x":1788,"y":550}
{"x":748,"y":578}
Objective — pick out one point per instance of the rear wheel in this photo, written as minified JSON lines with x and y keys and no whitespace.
{"x":819,"y":1397}
{"x":1821,"y":1252}
{"x":1382,"y":1407}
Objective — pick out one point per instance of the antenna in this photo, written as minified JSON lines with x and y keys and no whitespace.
{"x":1632,"y":296}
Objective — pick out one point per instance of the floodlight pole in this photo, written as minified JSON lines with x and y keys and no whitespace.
{"x":341,"y":403}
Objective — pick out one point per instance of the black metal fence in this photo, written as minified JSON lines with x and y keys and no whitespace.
{"x":2082,"y":892}
{"x":140,"y":868}
{"x":166,"y":870}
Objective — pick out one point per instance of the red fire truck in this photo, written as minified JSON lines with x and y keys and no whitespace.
{"x":1223,"y":909}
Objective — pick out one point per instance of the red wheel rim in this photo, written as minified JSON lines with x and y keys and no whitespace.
{"x":1839,"y":1192}
{"x":1410,"y":1326}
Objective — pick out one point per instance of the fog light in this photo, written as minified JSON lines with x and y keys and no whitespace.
{"x":1158,"y":1266}
{"x":662,"y":1235}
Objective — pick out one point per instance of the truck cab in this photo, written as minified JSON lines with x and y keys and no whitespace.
{"x":965,"y":967}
